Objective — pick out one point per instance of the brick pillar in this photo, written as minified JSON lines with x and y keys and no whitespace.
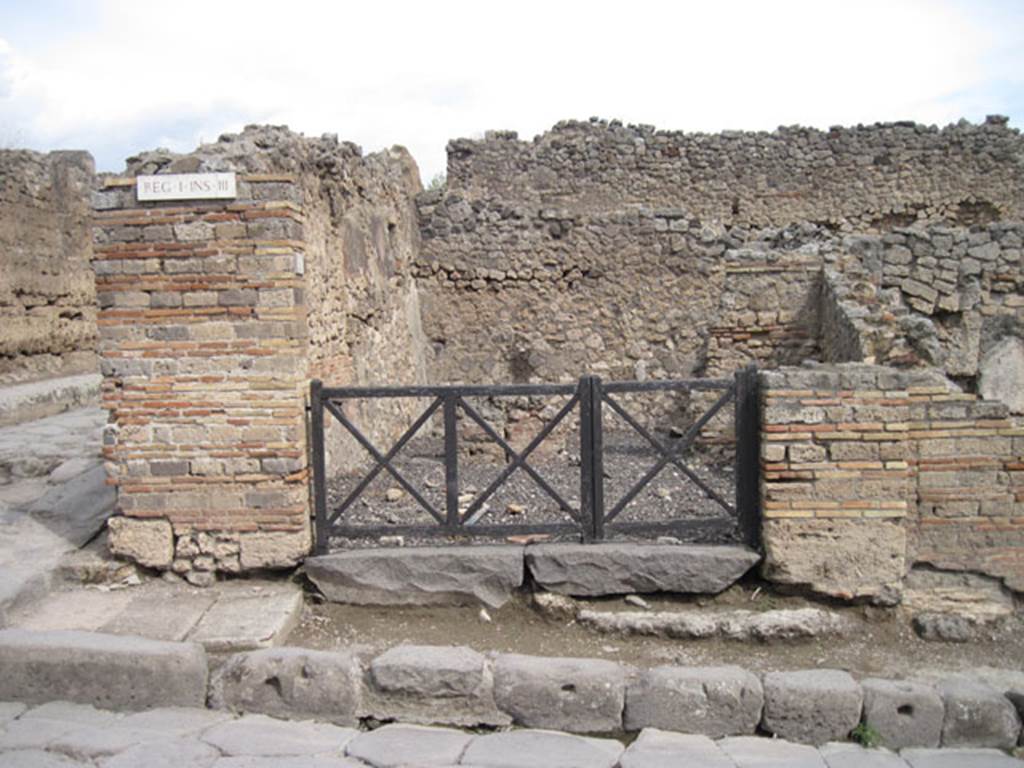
{"x":203,"y":342}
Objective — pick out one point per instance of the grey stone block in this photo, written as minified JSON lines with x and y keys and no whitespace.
{"x":420,"y":576}
{"x":622,"y":568}
{"x":577,"y":695}
{"x":395,"y":745}
{"x":262,"y":735}
{"x":105,"y":670}
{"x":811,"y":706}
{"x":661,"y":749}
{"x":905,"y":714}
{"x":35,"y":758}
{"x":845,"y":755}
{"x":171,"y":753}
{"x":541,"y":749}
{"x":755,"y":752}
{"x":452,"y":685}
{"x":306,"y":761}
{"x":714,"y":701}
{"x":291,"y":682}
{"x":959,"y":758}
{"x":977,"y":716}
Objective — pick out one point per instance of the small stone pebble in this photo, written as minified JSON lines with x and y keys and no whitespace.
{"x":638,"y":601}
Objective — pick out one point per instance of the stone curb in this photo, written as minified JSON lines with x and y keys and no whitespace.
{"x":456,"y":686}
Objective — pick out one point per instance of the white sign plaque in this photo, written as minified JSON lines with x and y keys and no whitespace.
{"x":185,"y":186}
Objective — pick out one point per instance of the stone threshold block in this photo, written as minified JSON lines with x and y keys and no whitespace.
{"x":109,"y":671}
{"x":420,"y":576}
{"x":616,"y":568}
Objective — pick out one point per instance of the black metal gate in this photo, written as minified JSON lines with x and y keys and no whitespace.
{"x":592,"y":519}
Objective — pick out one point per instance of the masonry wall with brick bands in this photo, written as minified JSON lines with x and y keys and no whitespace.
{"x":203,"y":340}
{"x":868,"y":471}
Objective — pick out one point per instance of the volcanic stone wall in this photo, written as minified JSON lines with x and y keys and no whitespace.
{"x":630,"y":252}
{"x":214,"y":317}
{"x":47,"y":297}
{"x":865,"y":177}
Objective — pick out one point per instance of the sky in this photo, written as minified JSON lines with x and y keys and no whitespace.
{"x":116,"y":77}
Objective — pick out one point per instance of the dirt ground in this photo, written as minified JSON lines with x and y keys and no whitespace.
{"x":881,"y":642}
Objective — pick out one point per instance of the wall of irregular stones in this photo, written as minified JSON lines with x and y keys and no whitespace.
{"x":214,"y":317}
{"x":47,"y":297}
{"x":630,"y":252}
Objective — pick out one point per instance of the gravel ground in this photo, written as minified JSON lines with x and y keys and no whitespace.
{"x":520,"y":501}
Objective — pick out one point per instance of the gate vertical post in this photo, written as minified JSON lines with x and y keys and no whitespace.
{"x":316,"y":402}
{"x":451,"y":462}
{"x":591,"y":459}
{"x":748,"y":456}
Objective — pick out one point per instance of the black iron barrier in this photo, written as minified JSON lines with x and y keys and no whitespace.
{"x":591,"y":520}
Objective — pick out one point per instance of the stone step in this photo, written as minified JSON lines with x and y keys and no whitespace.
{"x":38,"y":399}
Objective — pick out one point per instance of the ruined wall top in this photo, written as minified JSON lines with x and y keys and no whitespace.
{"x":863,"y":177}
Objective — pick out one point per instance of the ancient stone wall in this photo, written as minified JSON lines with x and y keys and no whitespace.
{"x":869,"y":471}
{"x":214,"y":315}
{"x":47,"y":298}
{"x":865,"y":177}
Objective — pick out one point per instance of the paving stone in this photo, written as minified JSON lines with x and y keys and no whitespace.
{"x":541,"y":749}
{"x":291,"y":682}
{"x":904,"y":714}
{"x":811,"y":706}
{"x":10,"y":710}
{"x":28,"y":734}
{"x":262,"y":735}
{"x":846,"y":755}
{"x":959,"y":758}
{"x":78,"y":509}
{"x":755,"y":752}
{"x":174,"y":753}
{"x":433,"y":684}
{"x":663,"y":749}
{"x":624,"y":568}
{"x":82,"y":609}
{"x":72,"y":714}
{"x":395,"y":745}
{"x":306,"y":761}
{"x":160,"y":616}
{"x":105,"y":670}
{"x":175,"y":721}
{"x":35,"y":758}
{"x":576,"y":695}
{"x":420,"y":576}
{"x":714,"y":701}
{"x":977,"y":715}
{"x":243,"y":622}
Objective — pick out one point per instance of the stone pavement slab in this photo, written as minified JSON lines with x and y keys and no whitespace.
{"x":82,"y":609}
{"x":664,"y":749}
{"x":757,"y":752}
{"x":176,"y":753}
{"x":34,"y":758}
{"x":414,"y":745}
{"x":159,"y":615}
{"x":959,"y":758}
{"x":310,"y":761}
{"x":541,"y":749}
{"x":262,"y":735}
{"x":247,"y":616}
{"x":846,"y":755}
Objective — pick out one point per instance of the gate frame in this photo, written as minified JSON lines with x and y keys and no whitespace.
{"x":591,"y":394}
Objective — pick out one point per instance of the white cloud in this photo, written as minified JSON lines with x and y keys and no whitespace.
{"x":420,"y":73}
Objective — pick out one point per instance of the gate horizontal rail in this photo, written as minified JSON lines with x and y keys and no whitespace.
{"x":590,"y":520}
